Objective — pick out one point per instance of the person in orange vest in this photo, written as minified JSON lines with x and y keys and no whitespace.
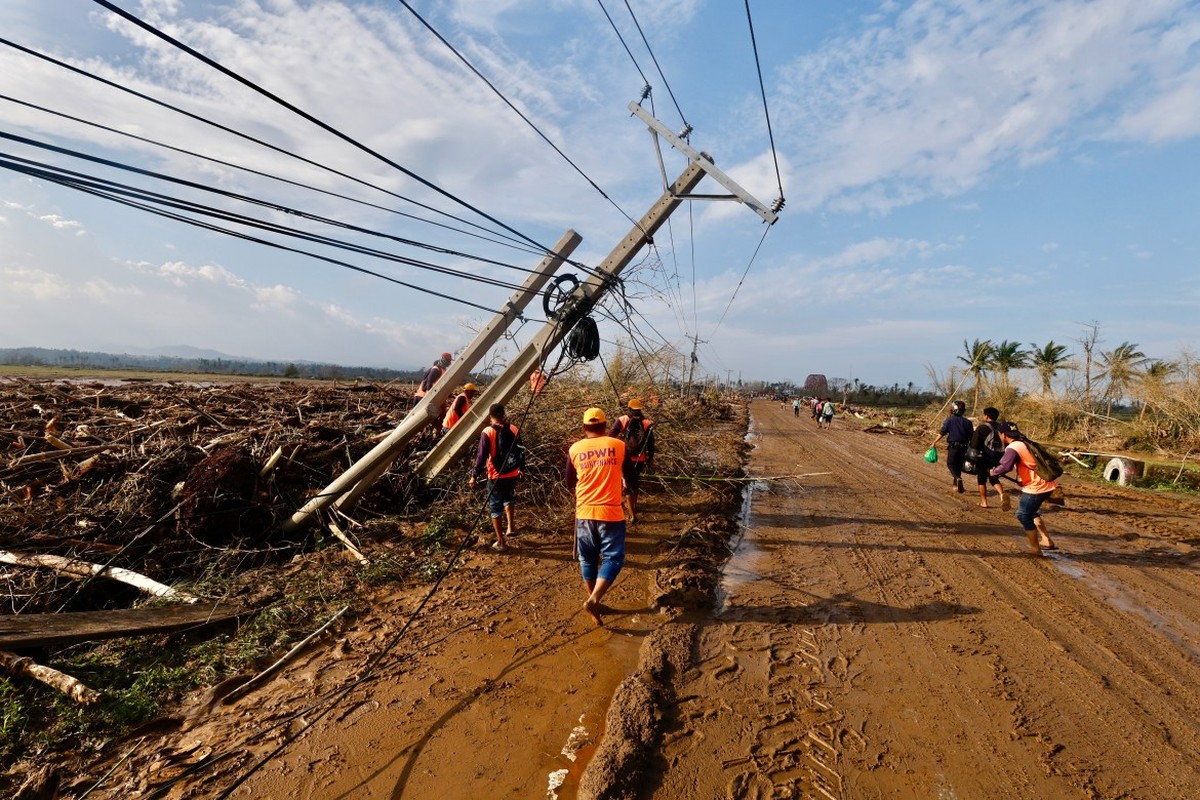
{"x":537,"y":382}
{"x":594,"y":471}
{"x":499,"y":457}
{"x":459,"y":407}
{"x":432,"y":376}
{"x":638,"y":434}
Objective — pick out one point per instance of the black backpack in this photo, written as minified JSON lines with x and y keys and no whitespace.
{"x":505,"y":444}
{"x":635,"y":436}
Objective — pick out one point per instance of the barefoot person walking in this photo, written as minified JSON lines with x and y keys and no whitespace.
{"x":1034,"y":489}
{"x":594,"y":472}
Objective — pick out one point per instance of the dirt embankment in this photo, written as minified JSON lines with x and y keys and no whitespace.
{"x":882,"y":636}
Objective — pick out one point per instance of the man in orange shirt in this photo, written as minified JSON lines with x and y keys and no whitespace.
{"x":1034,"y":488}
{"x":594,"y":472}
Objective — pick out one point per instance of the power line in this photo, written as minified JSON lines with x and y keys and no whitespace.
{"x":621,"y":39}
{"x":314,"y":120}
{"x":99,"y":192}
{"x":687,"y":128}
{"x":766,"y":111}
{"x":254,"y":201}
{"x":252,"y":171}
{"x":518,"y":111}
{"x":247,"y":137}
{"x":737,"y":288}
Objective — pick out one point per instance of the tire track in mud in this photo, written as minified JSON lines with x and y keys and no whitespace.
{"x":920,"y":654}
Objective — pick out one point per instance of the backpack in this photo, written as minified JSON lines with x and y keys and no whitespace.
{"x":1045,"y":464}
{"x":514,"y":454}
{"x":634,"y":436}
{"x":992,"y":440}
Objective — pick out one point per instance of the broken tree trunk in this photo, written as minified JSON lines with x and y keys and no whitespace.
{"x":71,"y":687}
{"x":83,"y":569}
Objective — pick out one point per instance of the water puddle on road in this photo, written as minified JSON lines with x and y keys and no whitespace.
{"x":1182,"y":632}
{"x":742,"y":567}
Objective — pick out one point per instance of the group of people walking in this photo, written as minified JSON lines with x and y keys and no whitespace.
{"x":821,"y":410}
{"x":603,"y":468}
{"x":991,"y":450}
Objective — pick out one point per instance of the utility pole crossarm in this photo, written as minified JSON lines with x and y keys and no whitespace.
{"x":705,"y":163}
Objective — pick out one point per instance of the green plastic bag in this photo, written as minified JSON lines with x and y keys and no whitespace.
{"x":931,"y":455}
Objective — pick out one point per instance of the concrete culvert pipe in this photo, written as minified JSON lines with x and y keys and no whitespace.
{"x":1124,"y":471}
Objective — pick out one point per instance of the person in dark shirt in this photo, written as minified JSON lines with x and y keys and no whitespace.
{"x":957,"y":431}
{"x":495,"y":442}
{"x":984,"y":439}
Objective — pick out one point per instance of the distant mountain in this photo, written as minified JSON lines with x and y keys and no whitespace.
{"x":185,"y":351}
{"x":198,"y":360}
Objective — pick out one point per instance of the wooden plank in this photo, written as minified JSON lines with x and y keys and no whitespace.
{"x":44,"y":630}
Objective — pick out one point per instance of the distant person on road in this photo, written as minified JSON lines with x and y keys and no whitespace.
{"x":827,"y":413}
{"x":496,"y":442}
{"x":816,"y":408}
{"x":594,"y":472}
{"x":432,"y":376}
{"x":957,"y":430}
{"x":459,"y":407}
{"x":986,"y":440}
{"x":638,"y":434}
{"x":1034,"y":489}
{"x":796,"y":407}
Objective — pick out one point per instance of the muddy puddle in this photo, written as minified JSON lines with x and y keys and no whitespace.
{"x":1182,"y":632}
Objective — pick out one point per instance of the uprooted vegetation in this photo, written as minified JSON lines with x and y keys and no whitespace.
{"x":188,"y":484}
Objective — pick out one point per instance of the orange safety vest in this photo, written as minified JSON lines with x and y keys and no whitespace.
{"x":453,"y":415}
{"x":597,"y":462}
{"x":625,"y":419}
{"x":422,"y":390}
{"x":537,"y":381}
{"x":492,"y":472}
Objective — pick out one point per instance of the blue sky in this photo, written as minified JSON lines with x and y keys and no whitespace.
{"x":953,"y":171}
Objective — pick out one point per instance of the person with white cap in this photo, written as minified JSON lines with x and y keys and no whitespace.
{"x":638,"y":434}
{"x":594,"y":471}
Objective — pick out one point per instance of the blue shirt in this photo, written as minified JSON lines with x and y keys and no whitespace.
{"x":957,"y":430}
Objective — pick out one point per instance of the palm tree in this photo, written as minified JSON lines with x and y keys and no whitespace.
{"x":1120,"y":366}
{"x":979,"y":355}
{"x":1154,"y":376}
{"x":1008,"y":356}
{"x":1048,"y":360}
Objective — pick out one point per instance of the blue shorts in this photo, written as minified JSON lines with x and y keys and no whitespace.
{"x":501,"y":492}
{"x":600,"y":546}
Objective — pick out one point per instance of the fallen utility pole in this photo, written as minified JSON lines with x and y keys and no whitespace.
{"x":350,"y":485}
{"x":580,"y":302}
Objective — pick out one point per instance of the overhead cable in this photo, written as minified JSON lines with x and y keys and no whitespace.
{"x":80,"y":186}
{"x":516,"y":110}
{"x":262,"y":143}
{"x":251,"y":200}
{"x":687,"y":127}
{"x":252,"y":171}
{"x":766,"y":111}
{"x":313,"y":119}
{"x":740,"y":281}
{"x":621,"y":39}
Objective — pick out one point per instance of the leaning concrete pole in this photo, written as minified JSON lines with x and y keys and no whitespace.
{"x":367,"y":469}
{"x":580,"y":302}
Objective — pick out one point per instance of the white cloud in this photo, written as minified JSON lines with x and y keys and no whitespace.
{"x":32,"y":284}
{"x":930,"y":101}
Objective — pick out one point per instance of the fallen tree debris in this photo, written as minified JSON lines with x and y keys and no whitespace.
{"x":83,"y":569}
{"x":71,"y":687}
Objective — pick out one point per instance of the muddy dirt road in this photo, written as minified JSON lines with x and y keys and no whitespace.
{"x":883,"y":637}
{"x":879,"y":637}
